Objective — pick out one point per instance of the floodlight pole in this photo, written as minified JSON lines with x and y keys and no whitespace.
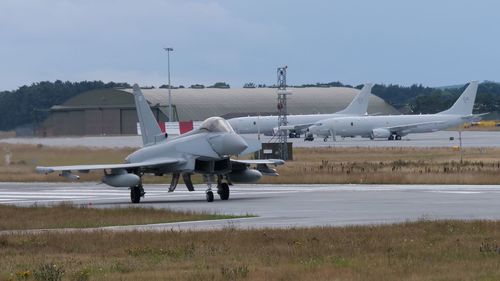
{"x":168,"y":49}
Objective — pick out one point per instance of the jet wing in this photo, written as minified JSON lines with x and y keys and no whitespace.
{"x":275,"y":162}
{"x":296,"y":127}
{"x":260,"y":163}
{"x":86,"y":168}
{"x":407,"y":127}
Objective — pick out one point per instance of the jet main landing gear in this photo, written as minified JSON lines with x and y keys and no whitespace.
{"x":136,"y":193}
{"x":223,"y":191}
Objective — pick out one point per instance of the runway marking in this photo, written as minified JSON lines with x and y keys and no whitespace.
{"x":456,"y":192}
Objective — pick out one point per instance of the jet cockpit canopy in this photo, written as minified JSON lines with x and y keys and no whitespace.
{"x":216,"y":125}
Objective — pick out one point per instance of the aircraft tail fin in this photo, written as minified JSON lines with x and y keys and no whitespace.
{"x":465,"y":103}
{"x":149,"y":125}
{"x":359,"y":104}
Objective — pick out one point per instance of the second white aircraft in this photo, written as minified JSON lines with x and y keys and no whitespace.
{"x":267,"y":125}
{"x":396,"y":126}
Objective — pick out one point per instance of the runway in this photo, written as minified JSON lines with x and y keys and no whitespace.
{"x":436,"y":139}
{"x":281,"y":206}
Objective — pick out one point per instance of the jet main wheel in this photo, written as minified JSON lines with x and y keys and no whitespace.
{"x":210,"y":196}
{"x":136,"y":193}
{"x":398,"y":137}
{"x":223,"y":191}
{"x":391,"y":137}
{"x":325,"y":139}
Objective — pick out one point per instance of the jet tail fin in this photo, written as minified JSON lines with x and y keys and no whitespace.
{"x":149,"y":126}
{"x":465,"y":103}
{"x":359,"y":104}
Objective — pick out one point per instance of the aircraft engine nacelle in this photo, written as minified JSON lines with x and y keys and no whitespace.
{"x":245,"y":176}
{"x":121,"y":180}
{"x":381,"y":133}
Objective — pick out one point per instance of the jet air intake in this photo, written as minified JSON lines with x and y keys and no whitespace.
{"x":228,"y":144}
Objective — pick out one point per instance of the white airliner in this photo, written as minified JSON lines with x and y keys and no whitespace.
{"x":396,"y":126}
{"x":267,"y":125}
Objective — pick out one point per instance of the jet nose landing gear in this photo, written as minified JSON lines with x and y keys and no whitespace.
{"x":222,"y":190}
{"x":210,"y":196}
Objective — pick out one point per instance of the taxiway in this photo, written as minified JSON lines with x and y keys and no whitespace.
{"x":280,"y":206}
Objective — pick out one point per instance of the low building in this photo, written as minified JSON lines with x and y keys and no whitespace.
{"x":112,"y":111}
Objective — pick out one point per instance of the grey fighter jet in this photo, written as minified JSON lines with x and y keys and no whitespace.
{"x":205,"y":151}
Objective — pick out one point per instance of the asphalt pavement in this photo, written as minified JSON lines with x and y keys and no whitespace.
{"x":279,"y":206}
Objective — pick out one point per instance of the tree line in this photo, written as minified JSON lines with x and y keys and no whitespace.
{"x":31,"y":104}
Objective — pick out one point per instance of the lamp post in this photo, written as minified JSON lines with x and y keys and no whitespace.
{"x":168,"y":49}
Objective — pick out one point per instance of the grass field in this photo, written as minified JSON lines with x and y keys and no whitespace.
{"x":70,"y":216}
{"x":391,"y":166}
{"x":311,"y":165}
{"x":423,"y":250}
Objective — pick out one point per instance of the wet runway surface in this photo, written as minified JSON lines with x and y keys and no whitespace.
{"x":280,"y":205}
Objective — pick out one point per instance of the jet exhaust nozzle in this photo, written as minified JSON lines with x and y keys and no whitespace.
{"x":121,"y":180}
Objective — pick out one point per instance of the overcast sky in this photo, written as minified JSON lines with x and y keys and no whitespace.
{"x":439,"y":42}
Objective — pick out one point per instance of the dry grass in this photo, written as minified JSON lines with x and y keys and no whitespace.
{"x":7,"y":134}
{"x":69,"y":216}
{"x":424,"y":250}
{"x":391,"y":166}
{"x":311,"y":165}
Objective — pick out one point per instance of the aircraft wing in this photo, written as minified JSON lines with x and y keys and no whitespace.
{"x":407,"y":127}
{"x":296,"y":127}
{"x":85,"y":168}
{"x":275,"y":162}
{"x":260,"y":163}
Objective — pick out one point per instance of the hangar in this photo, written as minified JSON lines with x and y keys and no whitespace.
{"x":112,"y":111}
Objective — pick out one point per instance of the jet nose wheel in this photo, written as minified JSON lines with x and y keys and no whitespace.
{"x":210,"y":196}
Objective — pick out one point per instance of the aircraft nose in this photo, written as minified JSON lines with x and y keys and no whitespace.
{"x":228,"y":144}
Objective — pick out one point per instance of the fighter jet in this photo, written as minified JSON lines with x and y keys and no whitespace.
{"x":393,"y":127}
{"x":267,"y":125}
{"x":206,"y":151}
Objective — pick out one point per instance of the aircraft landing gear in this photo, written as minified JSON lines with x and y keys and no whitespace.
{"x":391,"y":137}
{"x":398,"y":137}
{"x":210,"y":196}
{"x":223,"y":191}
{"x":325,"y":139}
{"x":136,"y":193}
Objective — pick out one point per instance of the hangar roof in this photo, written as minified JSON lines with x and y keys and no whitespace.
{"x":199,"y":104}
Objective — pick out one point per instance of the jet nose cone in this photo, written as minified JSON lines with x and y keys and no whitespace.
{"x":228,"y":144}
